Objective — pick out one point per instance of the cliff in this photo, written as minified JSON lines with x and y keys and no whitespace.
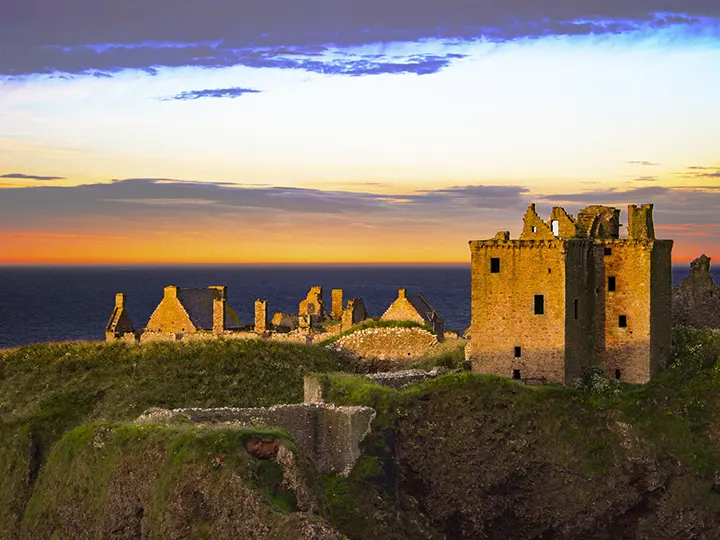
{"x":459,"y":456}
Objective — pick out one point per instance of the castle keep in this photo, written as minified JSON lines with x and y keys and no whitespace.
{"x":571,"y":294}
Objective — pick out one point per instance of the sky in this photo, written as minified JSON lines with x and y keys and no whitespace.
{"x":218,"y":131}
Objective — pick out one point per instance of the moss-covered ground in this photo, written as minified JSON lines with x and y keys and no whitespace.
{"x":47,"y":390}
{"x":461,"y":456}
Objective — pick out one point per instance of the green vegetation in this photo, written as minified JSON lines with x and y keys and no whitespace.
{"x":180,"y":476}
{"x":371,"y":323}
{"x":49,"y":389}
{"x":463,"y":455}
{"x":450,"y":353}
{"x":550,"y":448}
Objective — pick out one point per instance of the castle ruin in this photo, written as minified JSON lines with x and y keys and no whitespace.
{"x":570,"y":295}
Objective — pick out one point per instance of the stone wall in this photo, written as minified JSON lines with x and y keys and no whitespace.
{"x":330,"y":435}
{"x":696,"y":301}
{"x":389,"y":343}
{"x":315,"y":392}
{"x":507,"y":337}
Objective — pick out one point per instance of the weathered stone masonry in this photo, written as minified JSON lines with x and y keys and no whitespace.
{"x":570,"y":294}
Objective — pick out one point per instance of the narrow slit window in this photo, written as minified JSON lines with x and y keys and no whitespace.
{"x":555,"y":226}
{"x":494,"y":265}
{"x":611,"y":283}
{"x":534,"y":229}
{"x":539,"y":304}
{"x":575,"y":307}
{"x":622,"y":321}
{"x":617,"y":374}
{"x":518,"y":352}
{"x":608,"y":251}
{"x":516,"y":374}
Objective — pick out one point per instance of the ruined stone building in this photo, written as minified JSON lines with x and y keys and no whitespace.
{"x":120,"y":326}
{"x":696,"y":301}
{"x":570,"y":294}
{"x":414,"y":307}
{"x":192,"y":314}
{"x":193,"y":310}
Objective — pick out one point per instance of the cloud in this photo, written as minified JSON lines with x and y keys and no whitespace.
{"x":700,"y":171}
{"x":646,"y":163}
{"x":646,"y":179}
{"x":186,"y":200}
{"x":673,"y":205}
{"x":100,"y":37}
{"x":214,"y":93}
{"x":30,"y":177}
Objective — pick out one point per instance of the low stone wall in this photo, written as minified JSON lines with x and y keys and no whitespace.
{"x":315,"y":392}
{"x":390,"y":343}
{"x":330,"y":435}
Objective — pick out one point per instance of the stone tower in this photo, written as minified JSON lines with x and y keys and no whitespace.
{"x":570,"y":294}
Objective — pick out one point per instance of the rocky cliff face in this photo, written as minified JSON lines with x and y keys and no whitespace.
{"x":696,"y":301}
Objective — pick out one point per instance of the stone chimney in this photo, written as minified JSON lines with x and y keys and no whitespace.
{"x":402,"y":293}
{"x":120,"y":300}
{"x":337,"y":303}
{"x":640,"y":222}
{"x":261,"y":318}
{"x":170,"y":291}
{"x":219,"y":304}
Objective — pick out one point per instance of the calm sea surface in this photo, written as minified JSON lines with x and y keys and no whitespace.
{"x":54,"y":303}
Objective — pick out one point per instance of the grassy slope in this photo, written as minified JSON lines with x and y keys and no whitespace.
{"x":484,"y":457}
{"x":171,"y":482}
{"x":468,"y":456}
{"x":46,"y":390}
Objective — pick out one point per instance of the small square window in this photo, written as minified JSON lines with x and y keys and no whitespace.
{"x":494,"y":265}
{"x":539,"y":304}
{"x":516,"y":374}
{"x":518,"y":352}
{"x":622,"y":321}
{"x":608,"y":251}
{"x":611,"y":283}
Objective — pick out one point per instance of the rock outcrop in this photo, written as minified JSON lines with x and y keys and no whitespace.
{"x":696,"y":301}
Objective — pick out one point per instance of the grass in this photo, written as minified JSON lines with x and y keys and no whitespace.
{"x":163,"y":467}
{"x":457,"y":435}
{"x":49,"y":389}
{"x":443,"y":454}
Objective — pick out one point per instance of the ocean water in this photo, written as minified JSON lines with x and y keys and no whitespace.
{"x":57,"y":303}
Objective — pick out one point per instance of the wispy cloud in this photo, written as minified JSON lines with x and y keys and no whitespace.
{"x":645,"y":163}
{"x":211,"y":93}
{"x":21,"y":176}
{"x":700,"y":171}
{"x":646,"y":179}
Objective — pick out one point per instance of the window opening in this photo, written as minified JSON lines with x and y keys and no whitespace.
{"x":518,"y":352}
{"x":617,"y":374}
{"x":608,"y":251}
{"x":549,"y":270}
{"x":622,"y":321}
{"x":555,"y":227}
{"x":494,"y":265}
{"x":539,"y":304}
{"x":534,"y":229}
{"x":611,"y":283}
{"x":575,"y":306}
{"x":516,"y":374}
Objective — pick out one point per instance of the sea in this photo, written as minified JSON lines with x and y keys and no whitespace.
{"x":63,"y":303}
